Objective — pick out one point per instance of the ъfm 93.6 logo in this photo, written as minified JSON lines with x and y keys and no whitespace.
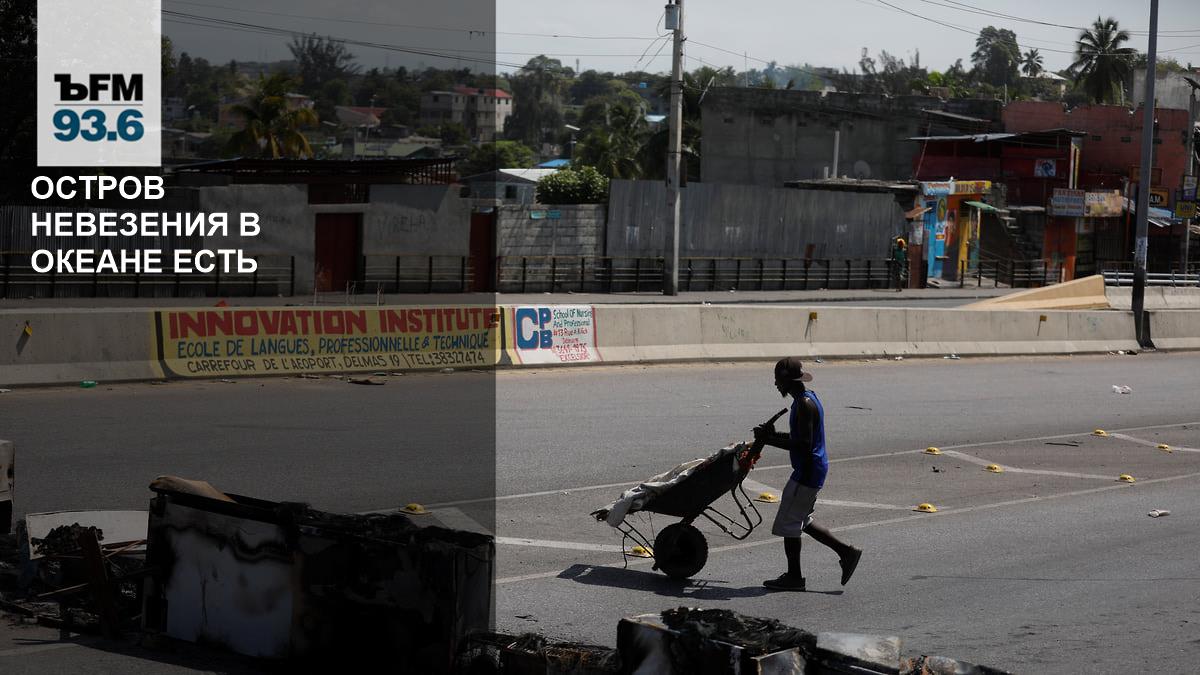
{"x":105,"y":108}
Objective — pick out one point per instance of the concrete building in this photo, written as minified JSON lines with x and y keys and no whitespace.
{"x":512,"y":186}
{"x":343,"y":224}
{"x":1170,"y":90}
{"x":483,"y":112}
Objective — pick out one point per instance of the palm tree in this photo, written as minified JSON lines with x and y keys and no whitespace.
{"x":1031,"y":65}
{"x":272,"y":129}
{"x":612,"y":148}
{"x":1101,"y":63}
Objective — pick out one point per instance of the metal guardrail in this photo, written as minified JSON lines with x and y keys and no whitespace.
{"x":583,"y":274}
{"x":411,"y":273}
{"x":1118,"y":278}
{"x":1014,"y":273}
{"x":276,"y":275}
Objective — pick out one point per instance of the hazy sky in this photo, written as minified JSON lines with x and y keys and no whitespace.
{"x":821,"y":33}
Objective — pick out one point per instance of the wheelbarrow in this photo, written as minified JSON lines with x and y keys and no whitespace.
{"x":680,"y":549}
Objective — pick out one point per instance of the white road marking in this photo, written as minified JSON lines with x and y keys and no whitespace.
{"x":569,"y":545}
{"x":821,"y":501}
{"x":772,"y":467}
{"x":754,"y":487}
{"x":1012,"y":469}
{"x":891,"y":521}
{"x":456,"y":519}
{"x":1153,"y":444}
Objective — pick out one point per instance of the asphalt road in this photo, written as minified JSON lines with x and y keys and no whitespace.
{"x":1051,"y":566}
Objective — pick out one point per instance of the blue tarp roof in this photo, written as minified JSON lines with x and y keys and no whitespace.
{"x":554,"y":164}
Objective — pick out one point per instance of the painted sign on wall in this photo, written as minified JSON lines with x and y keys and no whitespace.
{"x":1103,"y":204}
{"x":1068,"y":202}
{"x":287,"y":340}
{"x":553,"y":334}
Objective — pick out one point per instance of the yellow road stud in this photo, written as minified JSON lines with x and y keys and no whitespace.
{"x":1126,"y":478}
{"x":767,"y":498}
{"x":640,"y":552}
{"x":1100,"y":432}
{"x":995,"y":468}
{"x":933,"y":451}
{"x":926,"y":507}
{"x":1164,"y":446}
{"x":415,"y":509}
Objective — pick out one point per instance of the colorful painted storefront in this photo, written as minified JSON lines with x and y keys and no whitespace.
{"x":951,"y":226}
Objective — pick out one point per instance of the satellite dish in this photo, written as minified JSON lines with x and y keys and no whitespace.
{"x":862,"y":170}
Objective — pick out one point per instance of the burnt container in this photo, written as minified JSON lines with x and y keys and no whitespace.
{"x":277,"y":580}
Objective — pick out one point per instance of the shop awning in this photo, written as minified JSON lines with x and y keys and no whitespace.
{"x":981,"y":206}
{"x":1158,"y":222}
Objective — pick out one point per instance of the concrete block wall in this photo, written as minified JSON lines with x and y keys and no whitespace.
{"x":577,"y":231}
{"x":398,"y":219}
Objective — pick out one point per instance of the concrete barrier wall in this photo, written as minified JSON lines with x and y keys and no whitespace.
{"x":1175,"y":329}
{"x":648,"y":333}
{"x":1156,"y":297}
{"x":68,"y":346}
{"x":51,"y":346}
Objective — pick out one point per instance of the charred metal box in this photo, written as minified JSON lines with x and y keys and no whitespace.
{"x":283,"y":581}
{"x":648,"y":646}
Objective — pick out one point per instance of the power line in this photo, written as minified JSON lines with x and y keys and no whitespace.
{"x":473,"y":31}
{"x":211,"y":22}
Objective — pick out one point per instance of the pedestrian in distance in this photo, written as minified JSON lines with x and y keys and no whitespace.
{"x":805,"y":442}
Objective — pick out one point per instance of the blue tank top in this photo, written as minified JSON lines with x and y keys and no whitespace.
{"x":809,"y":467}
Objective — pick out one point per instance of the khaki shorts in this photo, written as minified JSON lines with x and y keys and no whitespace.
{"x":795,"y":510}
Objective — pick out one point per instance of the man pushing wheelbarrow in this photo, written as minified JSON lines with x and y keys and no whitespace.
{"x":689,"y":490}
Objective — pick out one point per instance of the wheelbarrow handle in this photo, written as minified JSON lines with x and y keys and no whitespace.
{"x":757,"y":447}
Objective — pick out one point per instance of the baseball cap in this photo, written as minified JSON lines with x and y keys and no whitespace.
{"x":791,"y":369}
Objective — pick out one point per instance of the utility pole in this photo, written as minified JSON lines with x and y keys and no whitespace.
{"x":1143,"y":198}
{"x":1189,"y":171}
{"x":674,"y":21}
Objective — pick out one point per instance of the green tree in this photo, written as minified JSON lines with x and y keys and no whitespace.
{"x":168,"y":58}
{"x":1101,"y":63}
{"x":1031,"y":63}
{"x":495,"y":156}
{"x":454,"y":133}
{"x":320,"y":61}
{"x":272,"y":130}
{"x":612,"y":148}
{"x":576,"y":185}
{"x":997,"y":56}
{"x":538,"y":91}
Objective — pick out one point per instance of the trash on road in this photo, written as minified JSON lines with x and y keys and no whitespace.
{"x":80,"y":570}
{"x":88,"y":384}
{"x":532,"y":653}
{"x":446,"y":370}
{"x":308,"y":376}
{"x":952,"y":357}
{"x":1159,"y":513}
{"x":1122,"y":389}
{"x":687,"y":640}
{"x":365,"y":380}
{"x":5,"y":391}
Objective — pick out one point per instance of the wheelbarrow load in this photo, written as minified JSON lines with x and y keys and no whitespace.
{"x":688,"y":492}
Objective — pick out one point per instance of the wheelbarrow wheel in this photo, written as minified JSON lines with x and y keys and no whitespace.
{"x":680,"y":551}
